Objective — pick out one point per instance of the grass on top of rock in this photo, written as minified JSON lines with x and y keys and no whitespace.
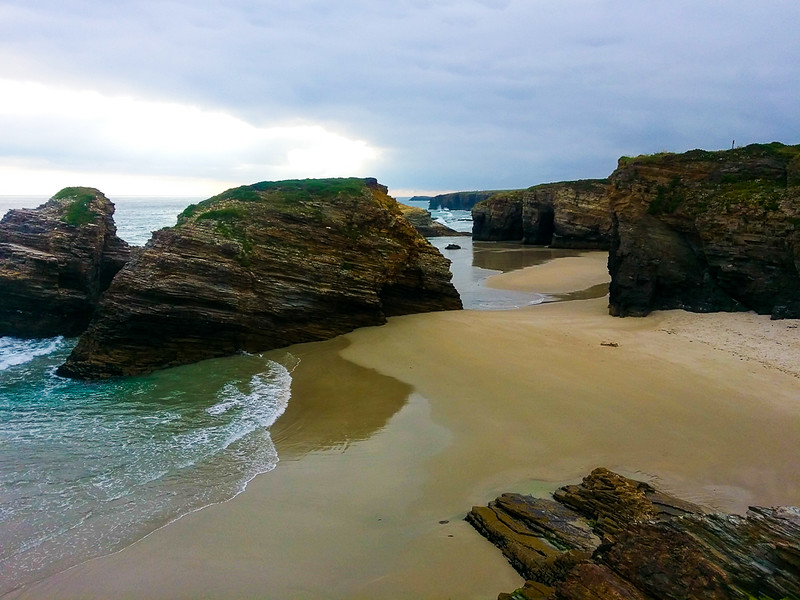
{"x":294,"y":190}
{"x":772,"y":149}
{"x":78,"y":211}
{"x":285,"y":193}
{"x":225,"y":213}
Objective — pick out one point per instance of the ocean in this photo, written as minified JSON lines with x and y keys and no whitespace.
{"x":87,"y":468}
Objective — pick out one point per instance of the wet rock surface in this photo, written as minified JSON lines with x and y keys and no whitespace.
{"x":613,"y":537}
{"x":261,"y":267}
{"x":56,"y":261}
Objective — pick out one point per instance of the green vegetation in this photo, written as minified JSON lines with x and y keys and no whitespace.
{"x":78,"y":211}
{"x":773,"y":149}
{"x":282,"y":193}
{"x":293,"y":190}
{"x":244,"y":193}
{"x":225,"y":214}
{"x":762,"y":193}
{"x":304,"y":189}
{"x":187,"y":213}
{"x":668,"y":198}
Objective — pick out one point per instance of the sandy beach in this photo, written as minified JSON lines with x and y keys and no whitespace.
{"x":394,"y":432}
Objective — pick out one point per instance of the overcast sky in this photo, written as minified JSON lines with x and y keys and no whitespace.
{"x":190,"y":97}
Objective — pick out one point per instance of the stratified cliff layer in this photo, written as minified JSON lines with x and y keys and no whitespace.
{"x":707,"y":231}
{"x":56,"y":261}
{"x":620,"y":539}
{"x":569,"y":214}
{"x":459,"y":200}
{"x":260,"y":267}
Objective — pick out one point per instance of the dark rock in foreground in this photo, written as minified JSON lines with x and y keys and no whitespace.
{"x":707,"y":231}
{"x":612,"y":537}
{"x":422,"y":221}
{"x":56,"y":261}
{"x":570,"y":214}
{"x":260,"y":267}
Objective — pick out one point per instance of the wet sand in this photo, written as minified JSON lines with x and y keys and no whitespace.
{"x":394,"y":432}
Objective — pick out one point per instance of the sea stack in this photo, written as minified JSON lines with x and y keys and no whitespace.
{"x":707,"y":231}
{"x":56,"y":261}
{"x":259,"y":267}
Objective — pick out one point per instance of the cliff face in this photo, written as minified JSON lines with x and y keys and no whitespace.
{"x":707,"y":231}
{"x":460,"y":200}
{"x":260,"y":267}
{"x":570,"y":214}
{"x":56,"y":261}
{"x":421,"y":220}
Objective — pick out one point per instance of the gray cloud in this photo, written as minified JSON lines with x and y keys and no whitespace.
{"x":459,"y":93}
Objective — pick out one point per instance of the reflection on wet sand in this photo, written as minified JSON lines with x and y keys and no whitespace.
{"x":474,"y":262}
{"x":505,"y":257}
{"x":595,"y":291}
{"x":334,"y":402}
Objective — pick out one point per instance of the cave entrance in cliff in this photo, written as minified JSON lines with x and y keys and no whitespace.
{"x":546,"y":227}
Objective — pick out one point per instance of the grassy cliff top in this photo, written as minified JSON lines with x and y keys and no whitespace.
{"x":774,"y":150}
{"x":231,"y":204}
{"x":75,"y":205}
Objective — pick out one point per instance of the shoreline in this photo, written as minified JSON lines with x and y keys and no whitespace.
{"x":394,"y":432}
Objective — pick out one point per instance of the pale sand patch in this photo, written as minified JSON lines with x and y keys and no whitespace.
{"x":774,"y":344}
{"x":560,"y":276}
{"x":500,"y":399}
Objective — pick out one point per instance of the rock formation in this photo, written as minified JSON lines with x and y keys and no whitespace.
{"x":612,"y":537}
{"x":460,"y":200}
{"x":422,"y":221}
{"x":56,"y":261}
{"x":707,"y":231}
{"x":260,"y":267}
{"x":570,"y":214}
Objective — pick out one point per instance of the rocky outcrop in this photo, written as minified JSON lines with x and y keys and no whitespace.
{"x":499,"y":217}
{"x":56,"y":261}
{"x":422,"y":221}
{"x":707,"y":231}
{"x":260,"y":267}
{"x":460,"y":200}
{"x":570,"y":214}
{"x":612,"y":537}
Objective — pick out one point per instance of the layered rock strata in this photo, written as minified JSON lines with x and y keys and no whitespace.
{"x":422,"y":221}
{"x":260,"y":267}
{"x":570,"y":214}
{"x":612,"y":537}
{"x":460,"y":200}
{"x":56,"y":261}
{"x":707,"y":231}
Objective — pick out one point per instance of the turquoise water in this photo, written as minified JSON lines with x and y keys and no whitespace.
{"x":88,"y":467}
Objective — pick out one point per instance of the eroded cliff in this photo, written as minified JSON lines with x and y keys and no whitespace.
{"x":707,"y":231}
{"x":260,"y":267}
{"x":56,"y":261}
{"x":569,"y":214}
